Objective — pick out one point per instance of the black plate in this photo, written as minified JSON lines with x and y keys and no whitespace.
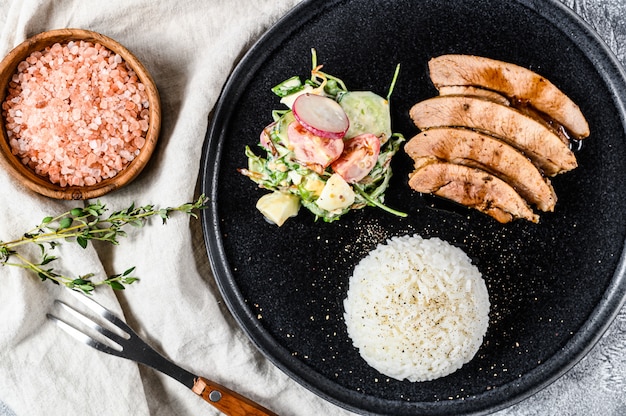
{"x":554,"y":286}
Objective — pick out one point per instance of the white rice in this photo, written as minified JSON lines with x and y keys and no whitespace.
{"x":416,"y":309}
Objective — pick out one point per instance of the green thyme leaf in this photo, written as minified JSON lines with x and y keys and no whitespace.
{"x":116,"y":285}
{"x":65,"y":223}
{"x":47,"y":259}
{"x":82,"y":241}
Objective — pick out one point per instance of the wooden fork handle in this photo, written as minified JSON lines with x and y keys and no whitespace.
{"x":227,"y":401}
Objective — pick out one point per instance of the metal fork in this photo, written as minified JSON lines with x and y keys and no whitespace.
{"x":131,"y":346}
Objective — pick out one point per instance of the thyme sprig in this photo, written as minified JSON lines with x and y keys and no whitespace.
{"x":81,"y":225}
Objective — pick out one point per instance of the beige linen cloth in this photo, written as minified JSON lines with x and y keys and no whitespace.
{"x":190,"y":47}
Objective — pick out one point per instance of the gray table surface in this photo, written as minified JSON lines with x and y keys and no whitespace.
{"x":597,"y":384}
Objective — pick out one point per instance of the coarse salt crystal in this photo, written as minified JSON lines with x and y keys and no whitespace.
{"x":71,"y":113}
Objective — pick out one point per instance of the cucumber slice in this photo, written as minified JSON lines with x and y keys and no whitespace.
{"x":367,"y":112}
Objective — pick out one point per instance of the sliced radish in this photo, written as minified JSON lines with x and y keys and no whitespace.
{"x":310,"y":148}
{"x":321,"y":116}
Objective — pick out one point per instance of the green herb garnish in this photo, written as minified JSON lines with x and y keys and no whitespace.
{"x":81,"y":225}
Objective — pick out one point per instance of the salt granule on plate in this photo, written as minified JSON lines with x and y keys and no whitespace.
{"x":76,"y":113}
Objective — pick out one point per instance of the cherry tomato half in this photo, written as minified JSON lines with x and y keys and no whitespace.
{"x":311,"y":149}
{"x":359,"y":156}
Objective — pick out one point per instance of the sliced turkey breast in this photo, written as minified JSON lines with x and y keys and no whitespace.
{"x":513,"y":81}
{"x":474,"y":149}
{"x":471,"y":187}
{"x":533,"y":138}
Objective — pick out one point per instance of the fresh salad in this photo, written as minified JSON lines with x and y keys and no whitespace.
{"x":330,"y":150}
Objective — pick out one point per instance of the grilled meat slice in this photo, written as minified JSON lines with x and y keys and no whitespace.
{"x":471,"y":187}
{"x":496,"y":97}
{"x":525,"y":133}
{"x":477,"y":150}
{"x":513,"y":81}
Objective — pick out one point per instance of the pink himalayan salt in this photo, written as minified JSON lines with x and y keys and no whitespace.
{"x":76,"y":113}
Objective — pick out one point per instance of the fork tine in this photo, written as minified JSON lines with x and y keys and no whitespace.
{"x":102,"y":311}
{"x":92,"y":324}
{"x":82,"y":337}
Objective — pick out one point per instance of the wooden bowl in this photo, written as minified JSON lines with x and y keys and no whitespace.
{"x":42,"y":185}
